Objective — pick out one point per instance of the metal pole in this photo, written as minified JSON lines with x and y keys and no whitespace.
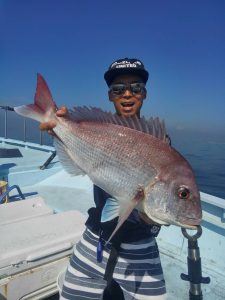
{"x":41,"y":138}
{"x":6,"y":121}
{"x":24,"y":130}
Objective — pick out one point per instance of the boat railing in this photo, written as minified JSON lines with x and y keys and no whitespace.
{"x":7,"y":108}
{"x":214,"y":211}
{"x":9,"y":189}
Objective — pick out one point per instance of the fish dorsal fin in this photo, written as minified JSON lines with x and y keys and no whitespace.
{"x":152,"y":126}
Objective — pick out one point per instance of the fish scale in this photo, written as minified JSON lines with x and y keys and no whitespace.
{"x":108,"y":160}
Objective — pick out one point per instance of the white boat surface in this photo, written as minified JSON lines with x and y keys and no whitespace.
{"x":52,"y":193}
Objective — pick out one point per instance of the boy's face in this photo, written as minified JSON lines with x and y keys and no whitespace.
{"x":127,"y":99}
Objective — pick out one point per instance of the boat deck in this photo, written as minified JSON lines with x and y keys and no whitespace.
{"x":63,"y":192}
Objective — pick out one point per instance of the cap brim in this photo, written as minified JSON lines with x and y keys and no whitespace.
{"x":111,"y":74}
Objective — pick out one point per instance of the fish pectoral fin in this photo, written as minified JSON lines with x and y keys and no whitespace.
{"x":66,"y":158}
{"x":110,"y":210}
{"x":122,"y":219}
{"x":125,"y":210}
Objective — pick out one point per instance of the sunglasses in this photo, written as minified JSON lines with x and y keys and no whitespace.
{"x":120,"y":88}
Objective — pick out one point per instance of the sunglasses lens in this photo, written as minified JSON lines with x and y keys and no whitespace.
{"x":117,"y":89}
{"x":136,"y":87}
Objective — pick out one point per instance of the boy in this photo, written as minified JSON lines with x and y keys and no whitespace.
{"x":129,"y":267}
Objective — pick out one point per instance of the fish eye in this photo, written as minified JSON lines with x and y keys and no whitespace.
{"x":183,"y":193}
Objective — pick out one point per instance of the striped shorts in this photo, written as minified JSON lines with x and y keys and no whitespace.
{"x":138,"y":271}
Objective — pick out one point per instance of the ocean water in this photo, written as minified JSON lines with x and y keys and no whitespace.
{"x":206,"y":154}
{"x":204,"y":151}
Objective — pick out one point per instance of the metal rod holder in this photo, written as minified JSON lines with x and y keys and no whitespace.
{"x":194,"y":275}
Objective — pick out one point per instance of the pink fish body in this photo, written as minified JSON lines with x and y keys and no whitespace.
{"x":128,"y":158}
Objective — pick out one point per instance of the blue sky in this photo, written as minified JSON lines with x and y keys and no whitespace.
{"x":72,"y":43}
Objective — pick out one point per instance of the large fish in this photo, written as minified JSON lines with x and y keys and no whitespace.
{"x":129,"y":158}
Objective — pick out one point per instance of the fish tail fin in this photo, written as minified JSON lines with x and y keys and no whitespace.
{"x":44,"y":108}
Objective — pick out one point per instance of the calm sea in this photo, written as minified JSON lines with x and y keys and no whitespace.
{"x":204,"y":151}
{"x":206,"y":154}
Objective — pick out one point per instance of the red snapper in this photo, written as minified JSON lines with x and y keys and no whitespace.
{"x":129,"y":158}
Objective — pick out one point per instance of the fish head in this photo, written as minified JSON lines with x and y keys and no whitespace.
{"x":174,"y":198}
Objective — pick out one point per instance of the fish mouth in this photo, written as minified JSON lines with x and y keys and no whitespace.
{"x":184,"y":222}
{"x":188,"y":223}
{"x":187,"y":226}
{"x":182,"y":225}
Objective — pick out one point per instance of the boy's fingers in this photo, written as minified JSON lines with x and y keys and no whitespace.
{"x":43,"y":126}
{"x":47,"y":125}
{"x":50,"y":125}
{"x":62,"y":112}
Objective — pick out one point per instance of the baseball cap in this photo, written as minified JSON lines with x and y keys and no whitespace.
{"x":126,"y":66}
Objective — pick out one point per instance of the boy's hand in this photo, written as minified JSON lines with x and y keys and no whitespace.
{"x":48,"y":126}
